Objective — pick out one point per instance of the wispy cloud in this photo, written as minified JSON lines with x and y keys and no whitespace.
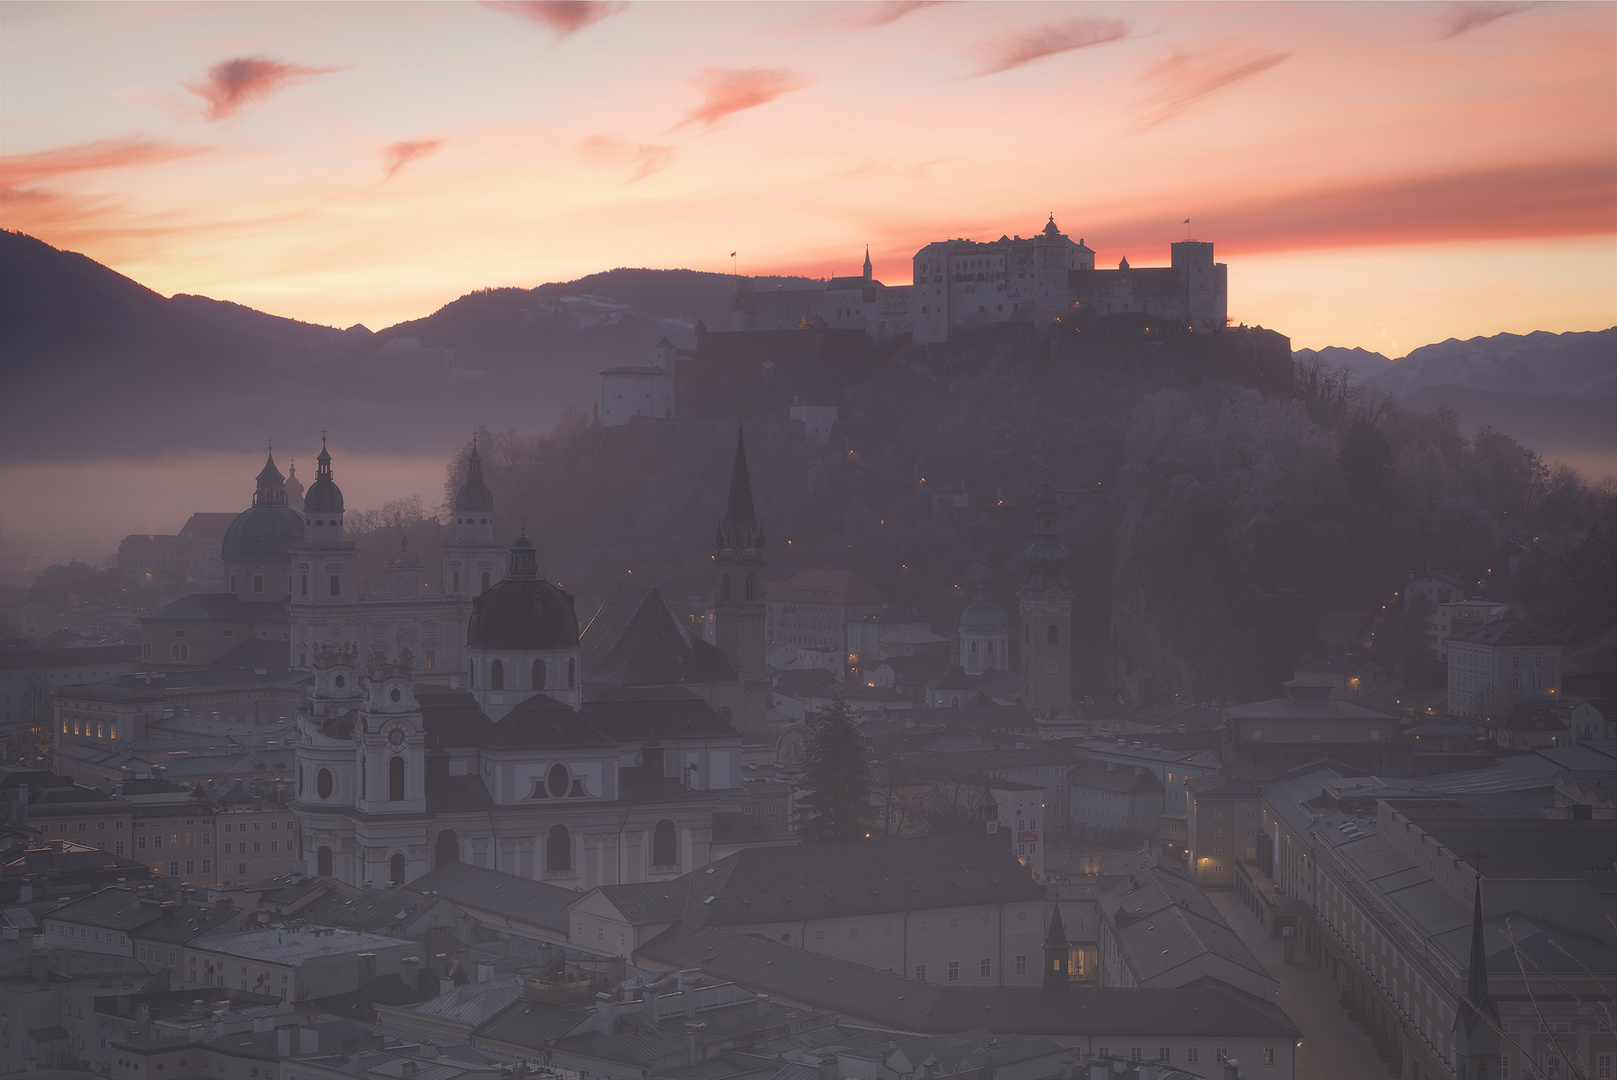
{"x":563,"y":17}
{"x":1184,"y":78}
{"x":730,"y":90}
{"x":1542,"y":199}
{"x":89,"y":157}
{"x":1464,"y":18}
{"x":644,"y":157}
{"x":909,"y":170}
{"x":397,"y":154}
{"x":233,"y":83}
{"x":889,"y":11}
{"x":1027,"y":46}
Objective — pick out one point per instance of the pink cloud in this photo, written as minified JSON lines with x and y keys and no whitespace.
{"x":731,"y":90}
{"x":890,"y":11}
{"x":564,"y":17}
{"x":89,"y":157}
{"x":233,"y":83}
{"x":1463,"y":18}
{"x":396,"y":155}
{"x":1184,"y":78}
{"x":1041,"y":41}
{"x":644,"y":157}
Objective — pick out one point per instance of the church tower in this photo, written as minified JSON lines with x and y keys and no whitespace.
{"x":738,"y":595}
{"x":255,"y":548}
{"x":1046,"y":613}
{"x":985,"y":629}
{"x":1057,"y":954}
{"x":325,"y":567}
{"x":472,"y":560}
{"x":1476,"y":1017}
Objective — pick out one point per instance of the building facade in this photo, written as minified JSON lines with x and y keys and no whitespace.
{"x":1046,"y":615}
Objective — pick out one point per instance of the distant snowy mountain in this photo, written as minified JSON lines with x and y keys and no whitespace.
{"x":1578,"y":365}
{"x":1360,"y":364}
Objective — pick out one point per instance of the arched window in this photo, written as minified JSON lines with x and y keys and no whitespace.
{"x":322,"y":783}
{"x":538,"y":674}
{"x":322,"y":862}
{"x":664,"y":850}
{"x":971,"y":648}
{"x":336,"y":585}
{"x":258,"y":583}
{"x":232,"y":582}
{"x":750,"y":580}
{"x":485,"y":581}
{"x":303,"y":585}
{"x":558,"y":850}
{"x":395,"y":779}
{"x":724,"y":587}
{"x":447,"y":850}
{"x":179,"y":652}
{"x":395,"y":868}
{"x":456,"y":586}
{"x":1052,"y":636}
{"x":572,"y":672}
{"x":496,"y":675}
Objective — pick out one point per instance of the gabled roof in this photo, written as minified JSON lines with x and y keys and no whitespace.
{"x":628,"y":716}
{"x":536,"y":903}
{"x":636,"y":640}
{"x":452,"y":718}
{"x":542,"y":721}
{"x":220,"y":607}
{"x":1502,"y":632}
{"x":1109,"y":776}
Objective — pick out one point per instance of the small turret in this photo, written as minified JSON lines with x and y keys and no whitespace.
{"x":271,"y":489}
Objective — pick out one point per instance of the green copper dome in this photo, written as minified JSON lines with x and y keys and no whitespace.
{"x":474,"y":495}
{"x":983,"y":615}
{"x":323,"y":496}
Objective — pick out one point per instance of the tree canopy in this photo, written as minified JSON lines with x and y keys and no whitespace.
{"x":833,"y":801}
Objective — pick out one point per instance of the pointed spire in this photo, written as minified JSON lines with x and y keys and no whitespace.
{"x":271,"y":489}
{"x":1056,"y":937}
{"x":738,"y":528}
{"x":323,"y":496}
{"x":524,"y":565}
{"x":1477,"y":1000}
{"x":867,"y":262}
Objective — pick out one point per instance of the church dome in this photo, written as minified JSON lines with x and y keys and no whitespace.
{"x":983,"y":615}
{"x":474,"y":495}
{"x":269,"y":528}
{"x":523,"y":613}
{"x":324,"y":496}
{"x":263,"y":532}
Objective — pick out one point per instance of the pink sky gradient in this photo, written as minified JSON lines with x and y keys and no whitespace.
{"x":1380,"y":175}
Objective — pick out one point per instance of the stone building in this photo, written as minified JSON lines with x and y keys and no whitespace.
{"x":1501,"y":668}
{"x":1046,"y":615}
{"x":842,"y":303}
{"x":646,"y":390}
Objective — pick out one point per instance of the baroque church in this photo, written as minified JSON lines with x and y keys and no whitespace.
{"x":582,"y":758}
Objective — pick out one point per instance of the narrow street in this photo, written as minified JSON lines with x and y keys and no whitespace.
{"x":1333,"y":1046}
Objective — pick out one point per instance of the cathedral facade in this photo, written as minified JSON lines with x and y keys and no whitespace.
{"x":536,"y":766}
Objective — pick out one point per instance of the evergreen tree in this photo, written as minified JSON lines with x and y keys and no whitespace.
{"x":833,"y":802}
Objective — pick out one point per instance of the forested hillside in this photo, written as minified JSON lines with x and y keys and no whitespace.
{"x":1216,"y":534}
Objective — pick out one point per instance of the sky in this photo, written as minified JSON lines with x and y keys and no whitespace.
{"x":1375,"y":175}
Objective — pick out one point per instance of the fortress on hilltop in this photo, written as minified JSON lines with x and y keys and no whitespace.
{"x":958,"y":284}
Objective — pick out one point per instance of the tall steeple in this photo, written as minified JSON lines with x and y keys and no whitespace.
{"x":1476,"y":1017}
{"x":472,"y":561}
{"x":738,"y":593}
{"x":867,"y":262}
{"x":1057,"y":954}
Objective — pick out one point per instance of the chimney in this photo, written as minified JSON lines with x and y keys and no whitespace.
{"x":263,"y":1024}
{"x":1232,"y":1069}
{"x":693,"y":1043}
{"x":603,"y":1014}
{"x":283,"y":1041}
{"x":485,"y":971}
{"x":308,"y":1041}
{"x":828,"y":1067}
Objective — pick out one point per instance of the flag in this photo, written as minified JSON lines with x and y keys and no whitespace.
{"x":732,"y":254}
{"x":1187,"y":221}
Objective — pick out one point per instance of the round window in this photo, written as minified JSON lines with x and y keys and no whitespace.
{"x":853,"y":931}
{"x":179,"y":633}
{"x":985,"y":920}
{"x":819,"y":935}
{"x":556,"y":781}
{"x":954,"y":922}
{"x":1021,"y":916}
{"x":227,"y":633}
{"x":395,"y":695}
{"x":888,"y":929}
{"x":786,"y":937}
{"x":339,"y":682}
{"x":322,"y":783}
{"x":920,"y":924}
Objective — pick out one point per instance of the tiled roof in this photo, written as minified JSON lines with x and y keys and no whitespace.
{"x":1507,"y":631}
{"x":537,"y":903}
{"x":13,"y":659}
{"x":1109,"y":776}
{"x":881,"y":997}
{"x":531,"y":1024}
{"x":223,"y":607}
{"x":635,"y":640}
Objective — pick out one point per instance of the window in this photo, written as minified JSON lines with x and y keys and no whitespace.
{"x":179,"y":651}
{"x":1136,"y":1054}
{"x":258,"y":583}
{"x":323,"y":784}
{"x":985,"y":968}
{"x":1192,"y":1055}
{"x":558,"y":850}
{"x":1268,"y":1055}
{"x":1021,"y":963}
{"x":920,"y":972}
{"x":538,"y":674}
{"x":1052,"y":636}
{"x":1164,"y":1054}
{"x":664,"y":850}
{"x":395,"y":780}
{"x":303,"y":585}
{"x":336,"y":585}
{"x":954,"y":971}
{"x":485,"y":581}
{"x":1221,"y":1055}
{"x":396,"y":869}
{"x":496,"y":675}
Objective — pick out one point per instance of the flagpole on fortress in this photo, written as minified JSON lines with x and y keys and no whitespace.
{"x":1187,"y":228}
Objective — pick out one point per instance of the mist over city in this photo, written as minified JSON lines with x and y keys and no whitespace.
{"x":602,"y":540}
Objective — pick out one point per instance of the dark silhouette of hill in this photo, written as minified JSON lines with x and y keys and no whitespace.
{"x":97,"y":365}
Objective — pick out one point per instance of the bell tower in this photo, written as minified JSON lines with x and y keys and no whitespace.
{"x":472,"y":561}
{"x":738,"y":593}
{"x":1046,"y":615}
{"x":325,"y":568}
